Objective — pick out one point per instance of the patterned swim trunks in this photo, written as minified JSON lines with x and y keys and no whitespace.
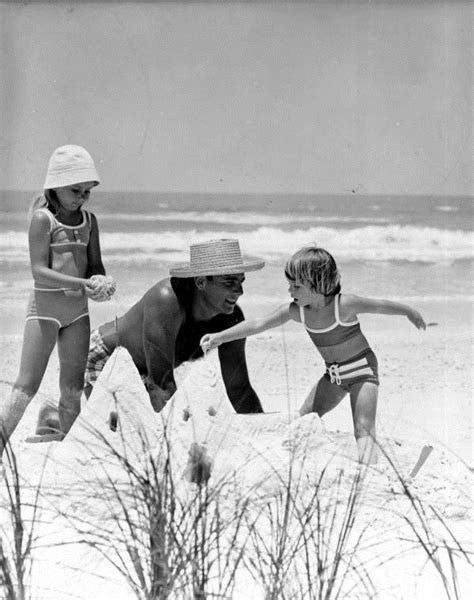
{"x":99,"y":354}
{"x":362,"y":367}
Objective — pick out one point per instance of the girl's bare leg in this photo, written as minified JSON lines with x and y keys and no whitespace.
{"x":364,"y":410}
{"x":323,"y":397}
{"x":73,"y":347}
{"x":38,"y":342}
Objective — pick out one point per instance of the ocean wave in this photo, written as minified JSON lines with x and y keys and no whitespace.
{"x":248,"y":218}
{"x":240,"y":218}
{"x":370,"y":243}
{"x":447,"y":208}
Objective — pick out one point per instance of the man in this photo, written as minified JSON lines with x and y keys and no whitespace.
{"x":163,"y":329}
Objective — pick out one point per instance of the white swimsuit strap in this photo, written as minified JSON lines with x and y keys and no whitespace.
{"x":336,"y":309}
{"x":87,"y":215}
{"x":85,"y":221}
{"x":337,"y":320}
{"x":302,"y":315}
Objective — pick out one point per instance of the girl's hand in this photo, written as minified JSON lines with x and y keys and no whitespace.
{"x":100,"y":288}
{"x":93,"y":294}
{"x":415,"y":317}
{"x":208,"y":342}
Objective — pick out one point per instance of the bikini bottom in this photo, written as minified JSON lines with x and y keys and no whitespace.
{"x":58,"y":306}
{"x":363,"y":367}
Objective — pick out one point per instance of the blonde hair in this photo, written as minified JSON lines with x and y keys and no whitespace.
{"x":317,"y":267}
{"x":45,"y":200}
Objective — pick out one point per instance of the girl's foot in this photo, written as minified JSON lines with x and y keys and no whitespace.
{"x":38,"y":438}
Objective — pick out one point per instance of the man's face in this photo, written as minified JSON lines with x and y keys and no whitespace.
{"x":223,"y":291}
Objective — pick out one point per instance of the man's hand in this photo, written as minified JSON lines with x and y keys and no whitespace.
{"x":159,"y":396}
{"x":208,"y":342}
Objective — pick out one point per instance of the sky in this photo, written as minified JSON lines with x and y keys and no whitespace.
{"x":301,"y":97}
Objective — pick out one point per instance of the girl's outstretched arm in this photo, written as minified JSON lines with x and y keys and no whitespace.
{"x":359,"y":304}
{"x":246,"y":328}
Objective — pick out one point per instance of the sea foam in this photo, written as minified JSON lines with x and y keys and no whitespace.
{"x":369,"y":243}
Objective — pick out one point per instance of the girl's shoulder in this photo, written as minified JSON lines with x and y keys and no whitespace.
{"x":42,"y":210}
{"x":351,"y":304}
{"x":42,"y":216}
{"x":348,"y":306}
{"x":347,"y":300}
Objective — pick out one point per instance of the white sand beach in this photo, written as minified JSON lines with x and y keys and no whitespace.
{"x":280,"y":124}
{"x":425,"y":399}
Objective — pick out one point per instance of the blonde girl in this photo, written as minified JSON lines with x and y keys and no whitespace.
{"x":330,"y":319}
{"x":65,"y":254}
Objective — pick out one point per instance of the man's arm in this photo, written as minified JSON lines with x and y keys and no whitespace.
{"x":162,"y":318}
{"x":236,"y":378}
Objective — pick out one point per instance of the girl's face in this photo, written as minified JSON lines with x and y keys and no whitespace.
{"x":72,"y":197}
{"x":303,"y":295}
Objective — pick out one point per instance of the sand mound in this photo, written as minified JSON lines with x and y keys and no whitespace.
{"x":255,"y":449}
{"x":259,"y":458}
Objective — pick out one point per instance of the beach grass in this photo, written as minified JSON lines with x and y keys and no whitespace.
{"x":285,"y":512}
{"x":311,"y":536}
{"x":19,"y":506}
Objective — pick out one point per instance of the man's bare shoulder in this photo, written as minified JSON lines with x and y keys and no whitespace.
{"x":162,"y":289}
{"x":162,"y":299}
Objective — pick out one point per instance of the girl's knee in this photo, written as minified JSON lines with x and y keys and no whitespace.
{"x":70,"y":393}
{"x":364,"y":424}
{"x":71,"y":384}
{"x":29,"y":388}
{"x":364,"y":428}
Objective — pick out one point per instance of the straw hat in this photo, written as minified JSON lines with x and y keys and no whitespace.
{"x":216,"y":257}
{"x":69,"y":165}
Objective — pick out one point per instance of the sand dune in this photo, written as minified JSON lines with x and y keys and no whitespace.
{"x":252,"y":459}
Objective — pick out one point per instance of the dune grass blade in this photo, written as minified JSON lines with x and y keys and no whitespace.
{"x":17,"y":534}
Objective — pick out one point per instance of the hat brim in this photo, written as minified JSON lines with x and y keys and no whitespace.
{"x":65,"y":178}
{"x":248,"y":264}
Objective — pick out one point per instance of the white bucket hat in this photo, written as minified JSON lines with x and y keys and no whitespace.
{"x":216,"y":257}
{"x":69,"y":165}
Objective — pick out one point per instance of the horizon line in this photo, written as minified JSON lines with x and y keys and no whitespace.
{"x":348,"y":194}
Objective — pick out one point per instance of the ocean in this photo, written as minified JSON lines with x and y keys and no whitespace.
{"x":408,"y":248}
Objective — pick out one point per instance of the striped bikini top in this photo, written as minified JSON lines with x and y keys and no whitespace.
{"x":67,"y":248}
{"x":336,"y":333}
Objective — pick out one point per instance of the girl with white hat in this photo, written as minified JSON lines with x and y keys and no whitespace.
{"x":67,"y":269}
